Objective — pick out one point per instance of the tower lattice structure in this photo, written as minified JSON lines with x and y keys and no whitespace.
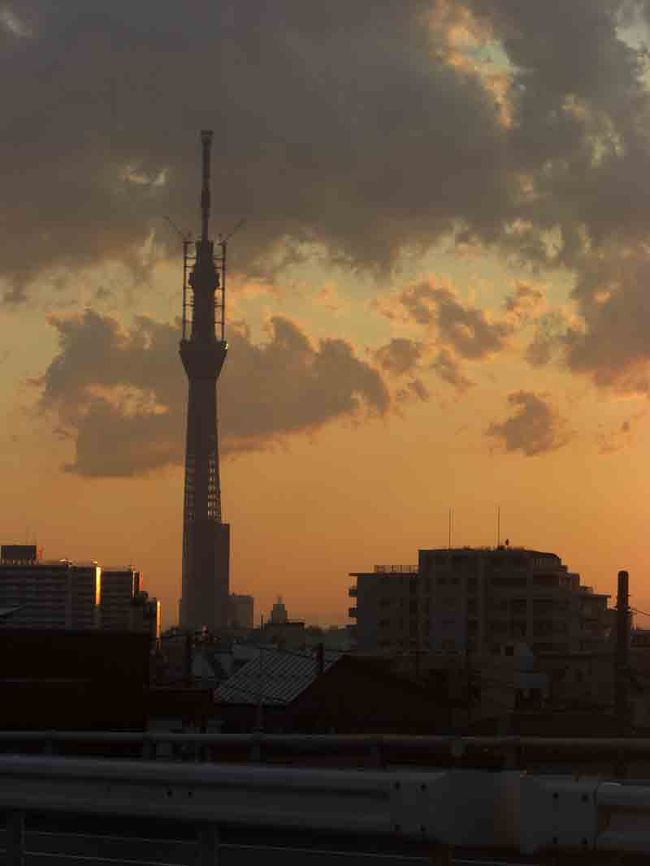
{"x":203,"y":348}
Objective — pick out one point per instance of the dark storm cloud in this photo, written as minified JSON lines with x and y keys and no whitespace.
{"x":120,"y":395}
{"x":400,"y":357}
{"x":613,"y":297}
{"x":327,"y":128}
{"x":360,"y":126}
{"x":449,"y":370}
{"x":582,"y":117}
{"x":608,"y":337}
{"x":454,"y":330}
{"x":460,"y":326}
{"x":535,"y":426}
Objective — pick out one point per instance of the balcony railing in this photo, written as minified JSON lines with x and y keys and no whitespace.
{"x":396,"y":569}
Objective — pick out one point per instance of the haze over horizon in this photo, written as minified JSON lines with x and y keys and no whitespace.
{"x":439,"y":296}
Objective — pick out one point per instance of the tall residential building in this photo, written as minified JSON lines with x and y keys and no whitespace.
{"x":477,"y":600}
{"x":48,"y":593}
{"x":206,"y":538}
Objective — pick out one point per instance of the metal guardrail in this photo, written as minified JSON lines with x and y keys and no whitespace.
{"x":584,"y":815}
{"x":422,"y":806}
{"x":512,"y":752}
{"x":469,"y":809}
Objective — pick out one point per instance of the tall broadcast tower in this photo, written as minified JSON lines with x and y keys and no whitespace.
{"x":206,"y":539}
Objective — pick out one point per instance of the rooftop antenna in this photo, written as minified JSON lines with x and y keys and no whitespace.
{"x":185,"y":237}
{"x":498,"y":526}
{"x":450,"y":527}
{"x":223,"y":239}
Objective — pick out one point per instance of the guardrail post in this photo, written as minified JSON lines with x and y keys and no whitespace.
{"x":255,"y":752}
{"x":15,"y":838}
{"x":208,"y":845}
{"x":376,"y":753}
{"x":620,"y":765}
{"x":441,"y":855}
{"x":149,"y":750}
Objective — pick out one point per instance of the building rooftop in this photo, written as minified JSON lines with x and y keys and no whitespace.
{"x":277,"y":679}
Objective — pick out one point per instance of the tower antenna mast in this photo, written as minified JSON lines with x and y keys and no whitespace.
{"x":206,"y":141}
{"x":203,"y":349}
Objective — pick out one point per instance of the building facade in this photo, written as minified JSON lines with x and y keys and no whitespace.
{"x":119,"y":588}
{"x":124,"y":605}
{"x":48,"y":594}
{"x":477,"y":600}
{"x":40,"y":593}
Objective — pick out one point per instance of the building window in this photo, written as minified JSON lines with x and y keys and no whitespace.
{"x":502,"y":580}
{"x":546,"y":579}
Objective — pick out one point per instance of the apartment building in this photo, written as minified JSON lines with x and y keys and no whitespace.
{"x":48,"y":593}
{"x":40,"y":593}
{"x":477,"y":600}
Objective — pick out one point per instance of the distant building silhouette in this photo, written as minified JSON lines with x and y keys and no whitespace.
{"x":477,"y":600}
{"x":206,"y":539}
{"x":242,"y":611}
{"x":279,"y":615}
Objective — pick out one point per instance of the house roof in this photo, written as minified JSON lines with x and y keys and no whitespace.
{"x":278,"y":677}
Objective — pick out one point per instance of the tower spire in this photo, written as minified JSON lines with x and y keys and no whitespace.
{"x":206,"y":141}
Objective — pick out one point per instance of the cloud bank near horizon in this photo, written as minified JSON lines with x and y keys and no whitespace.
{"x":119,"y":394}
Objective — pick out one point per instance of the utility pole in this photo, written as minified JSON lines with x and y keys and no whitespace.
{"x":621,"y":658}
{"x":468,"y":683}
{"x":260,"y":691}
{"x":188,"y":659}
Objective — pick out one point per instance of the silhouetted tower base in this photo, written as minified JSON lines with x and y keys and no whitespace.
{"x":206,"y":540}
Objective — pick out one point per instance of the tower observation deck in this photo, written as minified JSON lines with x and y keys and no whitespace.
{"x":206,"y":539}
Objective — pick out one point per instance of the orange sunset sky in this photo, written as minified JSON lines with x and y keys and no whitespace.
{"x":440,"y":296}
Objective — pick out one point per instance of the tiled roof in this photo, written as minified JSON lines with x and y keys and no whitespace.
{"x":282,"y":675}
